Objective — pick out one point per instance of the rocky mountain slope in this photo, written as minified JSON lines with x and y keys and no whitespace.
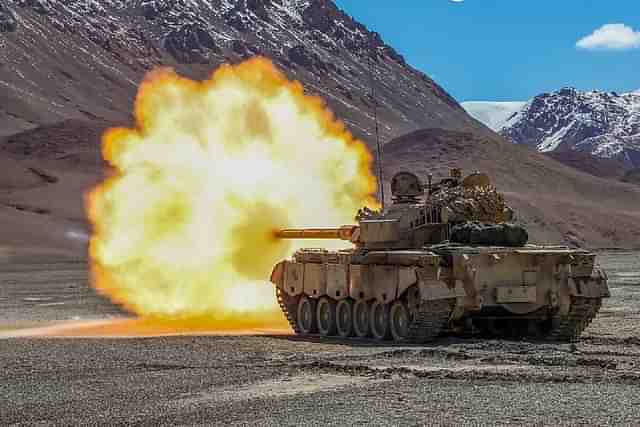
{"x":83,"y":59}
{"x":603,"y":124}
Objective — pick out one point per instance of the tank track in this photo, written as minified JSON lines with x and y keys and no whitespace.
{"x":430,"y":319}
{"x":568,"y":328}
{"x":289,"y":307}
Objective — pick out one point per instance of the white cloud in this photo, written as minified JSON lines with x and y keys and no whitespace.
{"x":611,"y":37}
{"x":456,"y":1}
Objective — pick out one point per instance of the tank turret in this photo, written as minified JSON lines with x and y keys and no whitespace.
{"x":418,"y":217}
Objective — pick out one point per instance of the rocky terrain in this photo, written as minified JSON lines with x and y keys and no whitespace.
{"x":70,"y":69}
{"x":277,"y":379}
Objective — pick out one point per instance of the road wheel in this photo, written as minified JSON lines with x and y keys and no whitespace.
{"x":326,"y":316}
{"x":361,"y":324}
{"x":379,"y":321}
{"x":307,"y":316}
{"x":344,"y":318}
{"x":399,"y":321}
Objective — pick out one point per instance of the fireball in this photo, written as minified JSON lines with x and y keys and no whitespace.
{"x":183,"y":227}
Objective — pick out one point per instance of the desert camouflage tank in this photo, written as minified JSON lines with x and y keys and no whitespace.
{"x":443,"y":258}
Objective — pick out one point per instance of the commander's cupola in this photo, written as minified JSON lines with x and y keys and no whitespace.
{"x":406,"y":188}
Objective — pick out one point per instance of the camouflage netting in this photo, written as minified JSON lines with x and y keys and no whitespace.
{"x":505,"y":234}
{"x":482,"y":204}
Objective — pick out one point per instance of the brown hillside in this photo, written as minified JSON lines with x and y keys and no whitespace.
{"x":556,"y":202}
{"x":585,"y":162}
{"x":632,"y":176}
{"x":44,"y":174}
{"x":41,"y":194}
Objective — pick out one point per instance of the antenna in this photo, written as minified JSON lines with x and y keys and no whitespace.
{"x":375,"y":117}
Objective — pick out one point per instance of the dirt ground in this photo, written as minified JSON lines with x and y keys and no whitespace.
{"x":283,"y":380}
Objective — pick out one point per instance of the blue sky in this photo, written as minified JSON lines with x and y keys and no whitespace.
{"x":511,"y":50}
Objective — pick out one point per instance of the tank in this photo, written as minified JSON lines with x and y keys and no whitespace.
{"x":443,"y":258}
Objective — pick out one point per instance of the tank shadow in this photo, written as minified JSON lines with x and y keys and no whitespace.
{"x":444,"y":341}
{"x":370,"y":342}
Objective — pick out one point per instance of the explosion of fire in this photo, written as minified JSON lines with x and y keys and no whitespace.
{"x":184,"y":226}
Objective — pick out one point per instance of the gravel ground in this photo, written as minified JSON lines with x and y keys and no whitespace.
{"x":284,"y":380}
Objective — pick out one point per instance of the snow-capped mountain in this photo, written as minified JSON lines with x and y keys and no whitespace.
{"x":83,"y":59}
{"x":492,"y":114}
{"x":603,"y":124}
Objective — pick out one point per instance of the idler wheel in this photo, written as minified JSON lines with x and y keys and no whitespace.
{"x":307,"y":316}
{"x":344,"y":318}
{"x":399,"y":320}
{"x":326,"y":317}
{"x":361,"y":314}
{"x":379,"y":320}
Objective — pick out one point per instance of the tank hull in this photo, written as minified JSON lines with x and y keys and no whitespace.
{"x":548,"y":293}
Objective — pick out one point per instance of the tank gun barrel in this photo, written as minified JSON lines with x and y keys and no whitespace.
{"x":345,"y":232}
